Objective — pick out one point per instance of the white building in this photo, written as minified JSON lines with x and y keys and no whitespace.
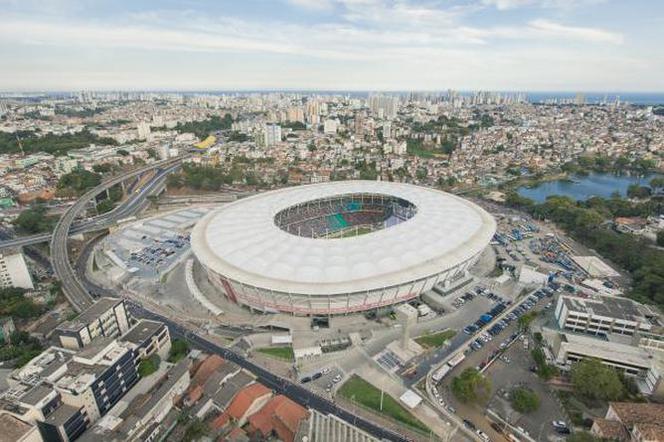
{"x":13,"y":270}
{"x":143,"y":130}
{"x":108,"y":317}
{"x":602,"y":315}
{"x":330,"y":126}
{"x":271,"y":134}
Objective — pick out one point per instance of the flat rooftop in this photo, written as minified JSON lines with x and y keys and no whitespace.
{"x":143,"y":330}
{"x":61,"y":414}
{"x":618,"y":308}
{"x":610,"y":351}
{"x":13,"y":429}
{"x":91,"y":314}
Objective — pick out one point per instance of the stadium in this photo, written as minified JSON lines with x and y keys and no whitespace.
{"x":339,"y":247}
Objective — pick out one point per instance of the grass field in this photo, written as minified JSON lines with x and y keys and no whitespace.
{"x":360,"y":391}
{"x":283,"y":353}
{"x":435,"y":340}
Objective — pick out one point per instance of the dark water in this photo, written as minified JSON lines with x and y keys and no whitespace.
{"x":584,"y":187}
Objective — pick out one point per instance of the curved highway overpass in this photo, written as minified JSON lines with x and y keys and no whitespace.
{"x":73,"y":289}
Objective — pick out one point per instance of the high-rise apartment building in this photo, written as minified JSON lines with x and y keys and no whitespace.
{"x":271,"y":134}
{"x":13,"y":270}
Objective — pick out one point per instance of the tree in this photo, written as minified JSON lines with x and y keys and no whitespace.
{"x":471,"y":386}
{"x":148,"y":366}
{"x":639,"y":192}
{"x":179,"y":349}
{"x":660,"y":238}
{"x":76,"y":182}
{"x":105,"y":206}
{"x":657,"y":183}
{"x":524,"y":321}
{"x":195,"y":431}
{"x":34,"y":220}
{"x":595,"y":380}
{"x":524,"y":400}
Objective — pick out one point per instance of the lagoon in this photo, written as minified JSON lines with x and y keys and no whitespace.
{"x":584,"y":187}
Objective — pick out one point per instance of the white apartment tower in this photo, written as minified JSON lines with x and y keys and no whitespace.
{"x":13,"y":270}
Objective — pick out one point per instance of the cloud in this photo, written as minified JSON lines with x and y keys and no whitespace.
{"x":548,"y":28}
{"x":312,"y":4}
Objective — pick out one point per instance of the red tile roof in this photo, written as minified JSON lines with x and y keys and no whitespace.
{"x":207,"y":367}
{"x":280,"y":415}
{"x":245,"y":398}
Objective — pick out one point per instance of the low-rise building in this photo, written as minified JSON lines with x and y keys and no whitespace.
{"x":603,"y":315}
{"x":629,"y":421}
{"x":149,"y":337}
{"x":646,"y":367}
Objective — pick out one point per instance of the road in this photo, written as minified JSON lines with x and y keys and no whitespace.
{"x":73,"y":289}
{"x":80,"y":298}
{"x":280,"y":385}
{"x":131,"y":205}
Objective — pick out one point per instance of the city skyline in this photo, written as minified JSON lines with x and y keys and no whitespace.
{"x":508,"y":45}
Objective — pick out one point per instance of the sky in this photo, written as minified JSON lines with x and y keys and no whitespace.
{"x":507,"y":45}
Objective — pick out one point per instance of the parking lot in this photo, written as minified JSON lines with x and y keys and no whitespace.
{"x":325,"y":380}
{"x":150,"y":248}
{"x":492,"y":350}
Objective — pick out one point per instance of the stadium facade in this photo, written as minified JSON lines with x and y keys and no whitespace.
{"x":339,"y":247}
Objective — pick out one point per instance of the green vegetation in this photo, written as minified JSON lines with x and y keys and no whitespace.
{"x":660,"y":238}
{"x":583,"y":436}
{"x":84,"y":113}
{"x":14,"y":303}
{"x":435,"y":340}
{"x":360,"y":391}
{"x":283,"y":353}
{"x":583,"y":221}
{"x":525,"y":320}
{"x":295,"y":125}
{"x":77,"y":182}
{"x":57,"y":145}
{"x":600,"y":163}
{"x":35,"y":220}
{"x":179,"y":349}
{"x":204,"y":177}
{"x":524,"y":400}
{"x":238,"y":136}
{"x":22,"y":349}
{"x":544,"y":370}
{"x":105,"y":206}
{"x":148,"y":366}
{"x":594,"y":380}
{"x":415,"y":147}
{"x":471,"y":386}
{"x":195,"y":430}
{"x":203,"y":128}
{"x":639,"y":192}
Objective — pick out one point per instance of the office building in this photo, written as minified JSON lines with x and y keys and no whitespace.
{"x":142,"y":418}
{"x":108,"y":317}
{"x":647,"y":368}
{"x":384,"y":107}
{"x":330,"y":126}
{"x":603,"y":315}
{"x":271,"y":134}
{"x":13,"y":270}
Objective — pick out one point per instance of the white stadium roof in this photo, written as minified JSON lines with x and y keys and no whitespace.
{"x":241,"y":241}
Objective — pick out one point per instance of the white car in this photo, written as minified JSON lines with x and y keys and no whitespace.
{"x":483,"y":435}
{"x":337,"y":378}
{"x":326,"y":370}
